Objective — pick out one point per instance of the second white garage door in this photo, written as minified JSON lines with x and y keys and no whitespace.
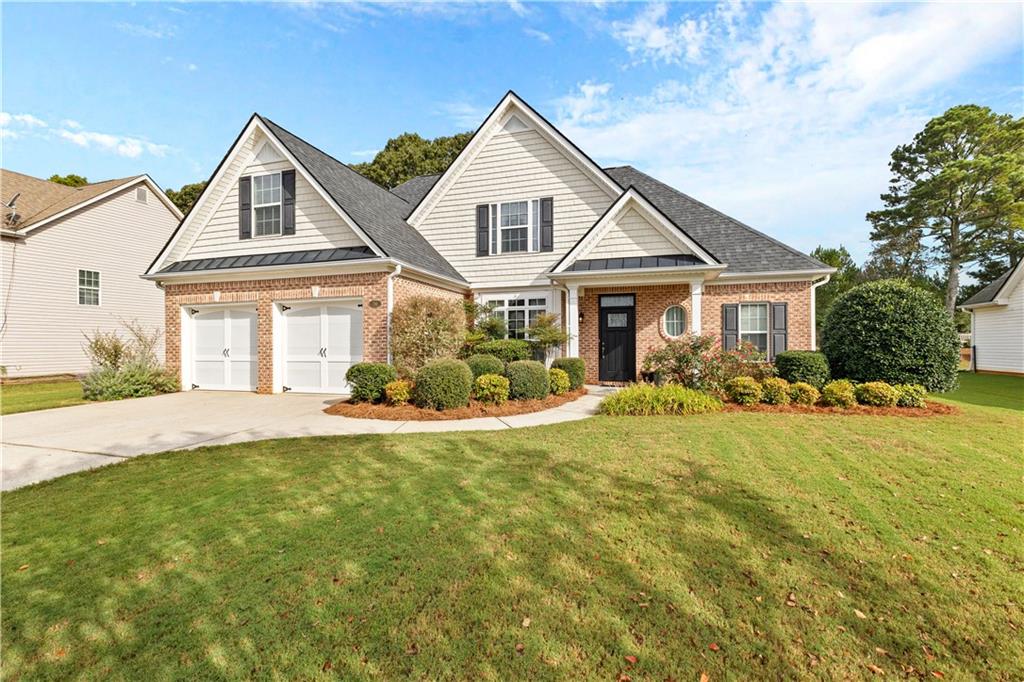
{"x":321,"y":342}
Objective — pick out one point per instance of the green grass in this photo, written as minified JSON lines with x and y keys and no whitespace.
{"x":421,"y":556}
{"x":996,"y":390}
{"x":39,"y":395}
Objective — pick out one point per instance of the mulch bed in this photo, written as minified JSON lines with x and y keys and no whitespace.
{"x":473,"y":411}
{"x":931,"y":409}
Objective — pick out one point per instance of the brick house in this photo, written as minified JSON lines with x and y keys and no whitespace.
{"x":286,"y":270}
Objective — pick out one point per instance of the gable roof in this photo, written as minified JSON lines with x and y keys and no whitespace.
{"x":414,"y":189}
{"x":992,"y":291}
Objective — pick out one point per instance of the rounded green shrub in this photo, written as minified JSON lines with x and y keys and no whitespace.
{"x":876,"y":394}
{"x":131,"y":380}
{"x":481,"y":364}
{"x":443,"y":385}
{"x":890,"y":331}
{"x":911,"y":395}
{"x":838,"y":393}
{"x":648,"y":399}
{"x":367,"y":380}
{"x":528,"y":380}
{"x":575,"y":368}
{"x":491,"y":388}
{"x":805,"y":366}
{"x":775,"y":391}
{"x":803,"y":393}
{"x":398,"y":392}
{"x":743,"y":390}
{"x":506,"y":350}
{"x":558,"y":381}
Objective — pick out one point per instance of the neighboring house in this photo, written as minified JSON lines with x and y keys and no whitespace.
{"x":70,"y":264}
{"x":286,"y":270}
{"x":997,"y":324}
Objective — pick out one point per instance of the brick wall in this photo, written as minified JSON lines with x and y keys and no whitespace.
{"x":408,"y":288}
{"x":796,"y":294}
{"x":372,"y":287}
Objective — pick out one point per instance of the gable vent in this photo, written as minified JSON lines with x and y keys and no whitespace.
{"x":514,"y":124}
{"x":141,"y":195}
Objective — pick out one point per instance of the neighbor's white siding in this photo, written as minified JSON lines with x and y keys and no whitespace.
{"x":511,"y":166}
{"x":632,"y":235}
{"x":999,"y":335}
{"x":43,"y":324}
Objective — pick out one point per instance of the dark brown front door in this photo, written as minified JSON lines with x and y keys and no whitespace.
{"x":617,"y":337}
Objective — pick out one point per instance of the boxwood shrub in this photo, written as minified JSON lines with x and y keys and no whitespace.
{"x":890,"y":331}
{"x":558,"y":381}
{"x":803,"y":393}
{"x":743,"y":390}
{"x":368,"y":379}
{"x":575,"y":368}
{"x":876,"y":394}
{"x":491,"y":388}
{"x":506,"y":350}
{"x":807,"y":366}
{"x":443,"y":385}
{"x":481,"y":364}
{"x":775,"y":391}
{"x":527,"y":380}
{"x":647,"y":399}
{"x":911,"y":395}
{"x":838,"y":393}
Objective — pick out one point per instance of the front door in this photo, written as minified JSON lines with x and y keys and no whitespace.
{"x":618,"y":338}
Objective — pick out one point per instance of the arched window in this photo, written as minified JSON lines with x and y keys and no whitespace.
{"x":675,"y":321}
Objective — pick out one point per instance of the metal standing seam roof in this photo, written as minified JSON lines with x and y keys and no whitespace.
{"x":267,"y":259}
{"x":636,"y":262}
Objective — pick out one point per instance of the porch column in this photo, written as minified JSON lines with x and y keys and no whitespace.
{"x":572,"y":324}
{"x":696,"y":293}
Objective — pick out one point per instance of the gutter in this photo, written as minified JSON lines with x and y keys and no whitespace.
{"x":814,"y":306}
{"x":391,"y":304}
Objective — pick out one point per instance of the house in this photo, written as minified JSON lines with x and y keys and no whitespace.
{"x":70,"y":260}
{"x":287,"y":269}
{"x":997,"y":324}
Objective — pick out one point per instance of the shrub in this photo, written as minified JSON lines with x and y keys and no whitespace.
{"x":368,"y":379}
{"x":775,"y":391}
{"x":506,"y":350}
{"x":698,"y":362}
{"x":558,"y":381}
{"x":527,"y":379}
{"x":398,"y":392}
{"x":443,"y":385}
{"x":838,"y":393}
{"x":423,"y":329}
{"x":890,"y":331}
{"x":133,"y":380}
{"x":911,"y":395}
{"x":491,"y":388}
{"x":645,"y":399}
{"x":803,"y":393}
{"x":876,"y":394}
{"x":806,"y":366}
{"x":546,"y":333}
{"x":575,"y":368}
{"x":485,"y":364}
{"x":743,"y":390}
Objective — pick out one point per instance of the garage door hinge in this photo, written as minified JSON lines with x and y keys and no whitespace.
{"x":195,"y":385}
{"x":285,"y":308}
{"x":286,"y":388}
{"x":192,"y":311}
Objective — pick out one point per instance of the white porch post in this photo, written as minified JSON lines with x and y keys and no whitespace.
{"x":572,"y":324}
{"x":696,"y":293}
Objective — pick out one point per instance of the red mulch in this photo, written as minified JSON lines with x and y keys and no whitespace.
{"x":931,"y":409}
{"x":472,"y":411}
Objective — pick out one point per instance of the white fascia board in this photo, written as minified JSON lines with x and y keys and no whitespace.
{"x":775,"y":276}
{"x":986,"y":304}
{"x":491,"y":125}
{"x":640,"y":276}
{"x":414,"y":272}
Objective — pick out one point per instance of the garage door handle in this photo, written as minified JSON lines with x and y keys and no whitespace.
{"x":323,"y":352}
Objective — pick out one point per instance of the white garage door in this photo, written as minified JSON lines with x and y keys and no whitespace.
{"x":224,"y":349}
{"x":320,"y":343}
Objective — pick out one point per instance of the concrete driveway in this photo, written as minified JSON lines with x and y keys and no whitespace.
{"x":38,"y":446}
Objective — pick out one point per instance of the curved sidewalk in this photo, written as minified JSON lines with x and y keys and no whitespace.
{"x":38,"y":446}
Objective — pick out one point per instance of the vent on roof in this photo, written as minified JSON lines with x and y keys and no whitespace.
{"x":141,"y":195}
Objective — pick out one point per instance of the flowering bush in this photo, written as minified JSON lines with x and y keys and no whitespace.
{"x":696,"y":361}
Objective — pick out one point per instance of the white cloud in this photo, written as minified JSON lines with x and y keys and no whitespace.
{"x":15,"y":126}
{"x":8,"y":134}
{"x":192,"y":67}
{"x":71,"y":123}
{"x":651,"y":38}
{"x":29,"y":121}
{"x":518,"y":7}
{"x":538,"y":34}
{"x":122,"y":145}
{"x":139,"y":31}
{"x":789,"y":125}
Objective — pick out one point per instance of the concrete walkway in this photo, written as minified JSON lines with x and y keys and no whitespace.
{"x":38,"y":446}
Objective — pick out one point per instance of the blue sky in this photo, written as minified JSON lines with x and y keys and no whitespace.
{"x":782,"y":115}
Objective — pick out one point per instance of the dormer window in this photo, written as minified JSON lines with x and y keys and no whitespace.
{"x":266,"y":204}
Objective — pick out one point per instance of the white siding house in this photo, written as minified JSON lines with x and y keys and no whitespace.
{"x":72,"y":267}
{"x":997,"y":324}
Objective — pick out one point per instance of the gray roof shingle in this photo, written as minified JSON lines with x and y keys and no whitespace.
{"x":988,"y":293}
{"x":414,"y":189}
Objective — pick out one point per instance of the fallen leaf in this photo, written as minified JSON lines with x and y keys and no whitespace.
{"x":875,"y":669}
{"x":326,"y":666}
{"x":520,"y":648}
{"x":23,"y":567}
{"x":631,"y":660}
{"x":882,"y":651}
{"x":936,"y":673}
{"x":526,"y":622}
{"x":412,"y":650}
{"x":859,"y":614}
{"x":625,"y":678}
{"x":758,"y":599}
{"x":713,"y":646}
{"x":101,"y":542}
{"x":704,"y":677}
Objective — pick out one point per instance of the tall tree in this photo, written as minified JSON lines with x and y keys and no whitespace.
{"x":845,"y":277}
{"x":408,"y":155}
{"x":961,"y":177}
{"x":185,"y":197}
{"x":71,"y":180}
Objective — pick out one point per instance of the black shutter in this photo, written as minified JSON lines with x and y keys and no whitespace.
{"x":288,"y":202}
{"x":547,"y":224}
{"x":730,"y":326}
{"x":245,"y":207}
{"x":483,"y":232}
{"x":779,"y":324}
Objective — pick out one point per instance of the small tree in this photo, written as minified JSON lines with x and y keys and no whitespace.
{"x":71,"y":180}
{"x":424,"y":328}
{"x":546,"y":333}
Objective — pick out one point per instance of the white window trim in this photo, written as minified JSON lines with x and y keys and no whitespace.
{"x":767,"y":329}
{"x":664,"y":321}
{"x":526,"y":296}
{"x":494,"y":231}
{"x":98,"y":288}
{"x":279,"y":204}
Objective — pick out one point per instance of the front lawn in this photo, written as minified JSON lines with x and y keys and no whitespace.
{"x":741,"y":545}
{"x":39,"y":395}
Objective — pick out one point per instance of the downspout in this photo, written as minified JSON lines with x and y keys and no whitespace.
{"x":814,"y":305}
{"x":391,"y":303}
